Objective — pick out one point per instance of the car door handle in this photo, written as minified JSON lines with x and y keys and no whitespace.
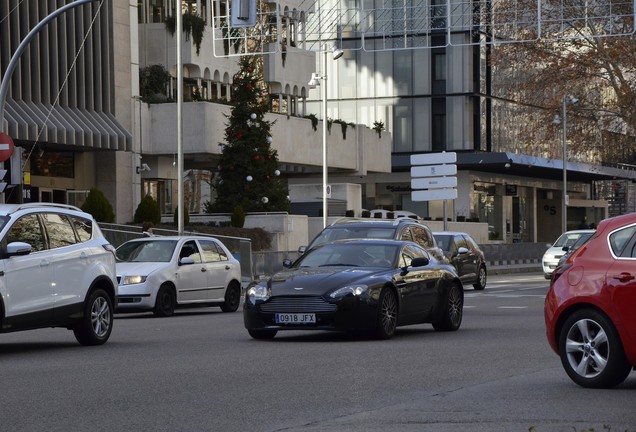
{"x":203,"y":269}
{"x":227,"y":267}
{"x":624,"y":277}
{"x":44,"y":263}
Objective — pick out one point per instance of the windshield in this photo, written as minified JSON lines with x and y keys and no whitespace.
{"x":146,"y":251}
{"x":567,"y":239}
{"x":331,"y":234}
{"x":350,"y":255}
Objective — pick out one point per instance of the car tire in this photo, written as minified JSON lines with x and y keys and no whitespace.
{"x":591,"y":350}
{"x":97,"y":321}
{"x":482,"y":277}
{"x":262,"y":334}
{"x":232,"y":298}
{"x":453,"y":312}
{"x":387,"y":314}
{"x":165,"y":302}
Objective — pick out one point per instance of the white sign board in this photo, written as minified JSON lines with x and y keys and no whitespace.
{"x":434,"y":158}
{"x":433,"y":170}
{"x":434,"y":194}
{"x":433,"y":182}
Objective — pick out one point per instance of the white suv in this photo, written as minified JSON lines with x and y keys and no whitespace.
{"x":56,"y":270}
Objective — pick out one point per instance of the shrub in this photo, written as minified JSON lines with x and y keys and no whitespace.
{"x":148,"y":210}
{"x":238,"y":217}
{"x":97,"y":205}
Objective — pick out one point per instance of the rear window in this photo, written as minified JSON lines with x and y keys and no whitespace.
{"x":619,"y":239}
{"x":332,"y":234}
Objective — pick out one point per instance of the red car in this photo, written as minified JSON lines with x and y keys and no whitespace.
{"x":590,"y":309}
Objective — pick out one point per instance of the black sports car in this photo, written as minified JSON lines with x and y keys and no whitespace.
{"x":370,"y":285}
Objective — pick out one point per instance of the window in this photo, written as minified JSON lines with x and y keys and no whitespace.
{"x":212,"y":252}
{"x":59,"y":230}
{"x":83,"y":227}
{"x":190,"y":250}
{"x":619,"y":239}
{"x":27,"y":229}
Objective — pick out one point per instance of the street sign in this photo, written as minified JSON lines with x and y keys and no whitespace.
{"x":434,"y":194}
{"x":433,"y":170}
{"x":434,"y":158}
{"x":434,"y":183}
{"x":6,"y":147}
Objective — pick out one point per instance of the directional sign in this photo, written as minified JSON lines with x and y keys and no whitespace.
{"x":434,"y":170}
{"x":434,"y":183}
{"x":6,"y":147}
{"x":434,"y":194}
{"x":434,"y":158}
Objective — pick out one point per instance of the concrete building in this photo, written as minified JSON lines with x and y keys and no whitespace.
{"x":76,"y":113}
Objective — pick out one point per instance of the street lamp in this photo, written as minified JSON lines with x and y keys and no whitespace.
{"x":563,"y":119}
{"x":315,"y":80}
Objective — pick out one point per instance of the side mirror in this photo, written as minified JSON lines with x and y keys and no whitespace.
{"x":186,"y":261}
{"x":18,"y":248}
{"x":287,"y":263}
{"x":302,"y":249}
{"x":462,"y":250}
{"x":420,"y":262}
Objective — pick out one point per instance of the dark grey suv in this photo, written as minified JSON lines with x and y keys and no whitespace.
{"x":398,"y":229}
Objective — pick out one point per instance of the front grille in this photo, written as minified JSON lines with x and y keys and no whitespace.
{"x":297,"y":304}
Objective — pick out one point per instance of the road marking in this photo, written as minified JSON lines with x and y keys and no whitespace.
{"x":512,"y":307}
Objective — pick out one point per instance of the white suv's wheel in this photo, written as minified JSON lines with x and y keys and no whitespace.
{"x":97,"y":322}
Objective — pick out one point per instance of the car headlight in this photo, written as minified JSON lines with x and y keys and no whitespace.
{"x":355,"y":290}
{"x":258,"y":292}
{"x":131,"y":280}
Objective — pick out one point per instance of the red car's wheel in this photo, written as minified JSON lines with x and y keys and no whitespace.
{"x":591,"y":350}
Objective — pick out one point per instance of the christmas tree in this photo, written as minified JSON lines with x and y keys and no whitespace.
{"x":247,"y":174}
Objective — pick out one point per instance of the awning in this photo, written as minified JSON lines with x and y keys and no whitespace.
{"x":504,"y":163}
{"x":35,"y":121}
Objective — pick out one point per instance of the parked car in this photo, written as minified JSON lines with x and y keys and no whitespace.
{"x":589,"y":308}
{"x":352,"y":285}
{"x":160,"y":273}
{"x":556,"y":250}
{"x":57,"y":270}
{"x":398,"y":229}
{"x":465,"y":254}
{"x":568,"y":250}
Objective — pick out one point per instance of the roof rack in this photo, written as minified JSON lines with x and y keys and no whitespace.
{"x":46,"y":204}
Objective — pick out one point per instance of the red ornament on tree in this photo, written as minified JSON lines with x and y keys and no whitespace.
{"x":257,"y":157}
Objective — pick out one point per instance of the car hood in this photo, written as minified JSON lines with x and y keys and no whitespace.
{"x":318,"y":281}
{"x":139,"y":268}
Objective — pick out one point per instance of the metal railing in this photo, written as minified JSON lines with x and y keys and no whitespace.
{"x":240,"y":247}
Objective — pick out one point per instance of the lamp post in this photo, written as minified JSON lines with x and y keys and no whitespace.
{"x":572,"y":100}
{"x":315,"y":78}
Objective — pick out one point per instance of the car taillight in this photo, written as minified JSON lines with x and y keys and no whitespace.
{"x":109,"y":247}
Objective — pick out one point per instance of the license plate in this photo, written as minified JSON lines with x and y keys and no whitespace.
{"x":295,"y":318}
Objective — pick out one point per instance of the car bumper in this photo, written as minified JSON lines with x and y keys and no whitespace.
{"x":351,"y":315}
{"x":135,"y":297}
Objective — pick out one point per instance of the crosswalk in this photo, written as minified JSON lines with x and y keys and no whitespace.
{"x":509,"y":292}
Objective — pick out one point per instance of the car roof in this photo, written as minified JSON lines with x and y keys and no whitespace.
{"x":382,"y":222}
{"x":173,"y":238}
{"x":6,"y":209}
{"x":451,"y":233}
{"x":372,"y":241}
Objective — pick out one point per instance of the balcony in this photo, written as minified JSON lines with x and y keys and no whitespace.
{"x":299,"y":147}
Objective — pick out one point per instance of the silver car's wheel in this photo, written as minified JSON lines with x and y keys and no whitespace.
{"x":481,"y":279}
{"x":591,"y":351}
{"x":97,"y":322}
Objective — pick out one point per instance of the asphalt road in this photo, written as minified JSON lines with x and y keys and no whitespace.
{"x":200,"y":371}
